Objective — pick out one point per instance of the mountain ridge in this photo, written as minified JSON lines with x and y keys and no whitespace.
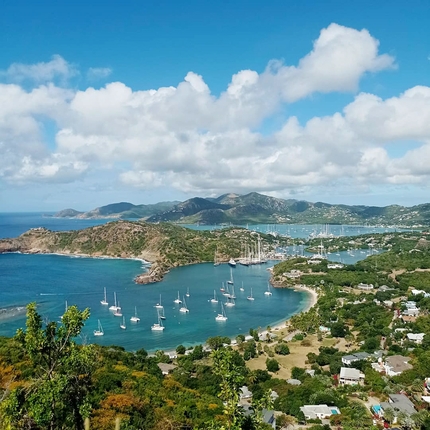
{"x":255,"y":208}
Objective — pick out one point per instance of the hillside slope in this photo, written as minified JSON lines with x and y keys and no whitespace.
{"x":165,"y":245}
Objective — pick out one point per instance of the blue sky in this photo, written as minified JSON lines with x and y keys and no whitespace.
{"x":151,"y":101}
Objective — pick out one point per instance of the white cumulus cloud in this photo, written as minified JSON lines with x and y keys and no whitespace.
{"x":185,"y":137}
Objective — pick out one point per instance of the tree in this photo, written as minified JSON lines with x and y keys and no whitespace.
{"x":389,"y":415}
{"x":224,"y":365}
{"x":338,"y":329}
{"x":282,"y":349}
{"x":58,"y":395}
{"x":180,"y":349}
{"x":272,"y":365}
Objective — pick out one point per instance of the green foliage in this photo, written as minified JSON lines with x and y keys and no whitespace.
{"x":180,"y":349}
{"x":282,"y":348}
{"x":59,"y":390}
{"x":272,"y":365}
{"x":217,"y":342}
{"x":232,"y":379}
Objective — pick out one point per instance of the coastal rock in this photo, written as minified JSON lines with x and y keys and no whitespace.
{"x":154,"y":274}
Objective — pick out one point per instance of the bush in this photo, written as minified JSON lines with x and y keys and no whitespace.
{"x":180,"y":349}
{"x":282,"y":349}
{"x":272,"y":365}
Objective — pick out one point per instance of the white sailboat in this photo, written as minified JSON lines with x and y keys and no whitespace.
{"x":184,"y":308}
{"x":135,"y":318}
{"x":114,"y":307}
{"x":178,"y":300}
{"x":231,"y":281}
{"x":232,"y":295}
{"x":66,"y":306}
{"x":123,"y":326}
{"x":161,"y":313}
{"x":250,"y":297}
{"x":232,"y":262}
{"x":118,"y":312}
{"x":159,"y":325}
{"x":230,"y":302}
{"x":222,"y":289}
{"x":241,"y":288}
{"x":214,"y":299}
{"x":99,"y":331}
{"x":216,"y":262}
{"x":222,"y":316}
{"x":104,"y":301}
{"x":268,"y":292}
{"x":226,"y":292}
{"x":159,"y":305}
{"x":188,"y":292}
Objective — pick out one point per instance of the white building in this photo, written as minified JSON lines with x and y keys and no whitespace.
{"x":312,"y":412}
{"x":416,"y":337}
{"x":350,"y":376}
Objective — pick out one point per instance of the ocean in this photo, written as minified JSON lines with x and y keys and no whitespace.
{"x":54,"y":282}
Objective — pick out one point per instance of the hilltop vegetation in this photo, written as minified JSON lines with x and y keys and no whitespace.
{"x":47,"y":381}
{"x":258,"y":208}
{"x":165,"y":245}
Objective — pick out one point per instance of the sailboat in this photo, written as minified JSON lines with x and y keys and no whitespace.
{"x":231,"y":281}
{"x":188,"y":292}
{"x":161,"y":313}
{"x":178,"y":300}
{"x":104,"y":301}
{"x":214,"y":299}
{"x":232,"y":295}
{"x":216,"y":262}
{"x":241,"y":288}
{"x":222,"y":289}
{"x":268,"y":292}
{"x":99,"y":331}
{"x":159,"y":305}
{"x":159,"y":325}
{"x":118,"y":312}
{"x":230,"y":302}
{"x":226,"y":292}
{"x":65,"y":309}
{"x":221,"y":316}
{"x":135,"y":318}
{"x":184,"y":308}
{"x":123,"y":326}
{"x":250,"y":296}
{"x":114,"y":307}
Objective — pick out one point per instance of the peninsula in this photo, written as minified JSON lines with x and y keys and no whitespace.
{"x":163,"y":245}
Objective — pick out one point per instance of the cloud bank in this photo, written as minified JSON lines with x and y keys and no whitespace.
{"x":186,"y":138}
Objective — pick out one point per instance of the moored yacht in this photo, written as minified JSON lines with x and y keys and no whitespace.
{"x":232,"y":262}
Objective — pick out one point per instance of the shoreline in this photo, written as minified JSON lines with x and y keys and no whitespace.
{"x":312,"y":301}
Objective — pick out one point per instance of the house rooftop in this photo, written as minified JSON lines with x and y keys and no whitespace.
{"x":398,"y":363}
{"x":316,"y":411}
{"x":399,"y":403}
{"x":166,"y":367}
{"x":350,"y":373}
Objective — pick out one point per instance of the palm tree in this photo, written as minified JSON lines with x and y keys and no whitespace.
{"x":417,"y":386}
{"x":389,"y":415}
{"x":420,"y":418}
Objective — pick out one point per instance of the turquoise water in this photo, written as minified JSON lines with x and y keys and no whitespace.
{"x":53,"y":280}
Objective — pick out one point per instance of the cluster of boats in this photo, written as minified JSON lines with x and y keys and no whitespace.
{"x":117,"y":311}
{"x":227,"y":291}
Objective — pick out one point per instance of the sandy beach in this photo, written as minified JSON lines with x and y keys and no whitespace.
{"x":313,"y":298}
